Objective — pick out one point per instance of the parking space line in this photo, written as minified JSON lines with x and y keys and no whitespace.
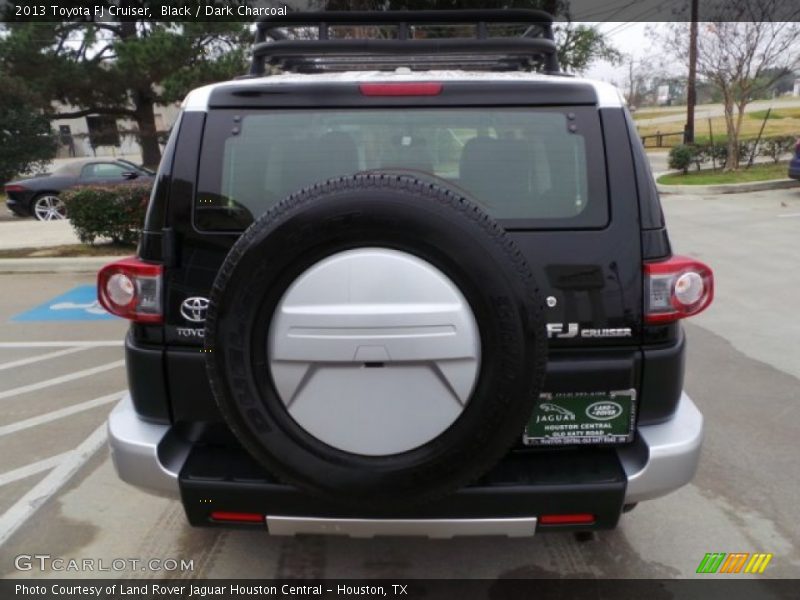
{"x":62,"y":379}
{"x":789,"y":215}
{"x":59,"y":414}
{"x":32,"y":469}
{"x":82,"y":344}
{"x":26,"y":506}
{"x":34,"y":359}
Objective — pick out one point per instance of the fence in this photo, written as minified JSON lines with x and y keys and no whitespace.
{"x":659,"y":139}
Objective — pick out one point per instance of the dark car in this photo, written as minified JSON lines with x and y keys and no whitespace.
{"x":407,"y":286}
{"x":794,"y":164}
{"x":38,"y":196}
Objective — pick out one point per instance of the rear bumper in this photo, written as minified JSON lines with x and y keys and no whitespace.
{"x":146,"y":455}
{"x":18,"y":206}
{"x":663,"y":458}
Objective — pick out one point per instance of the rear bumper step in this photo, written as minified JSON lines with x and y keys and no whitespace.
{"x":522,"y":487}
{"x":431,"y":528}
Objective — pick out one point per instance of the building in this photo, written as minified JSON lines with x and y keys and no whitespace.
{"x":101,"y":135}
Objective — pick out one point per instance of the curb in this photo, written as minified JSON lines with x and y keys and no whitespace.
{"x":728,"y":188}
{"x":90,"y":264}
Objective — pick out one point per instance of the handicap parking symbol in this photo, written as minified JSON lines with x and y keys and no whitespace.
{"x":78,"y":304}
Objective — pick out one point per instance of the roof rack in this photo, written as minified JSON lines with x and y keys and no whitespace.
{"x":317,"y":51}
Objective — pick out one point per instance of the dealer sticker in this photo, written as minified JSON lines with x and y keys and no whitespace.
{"x":582,"y":418}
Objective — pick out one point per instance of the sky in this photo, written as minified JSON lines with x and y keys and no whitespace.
{"x":628,"y":38}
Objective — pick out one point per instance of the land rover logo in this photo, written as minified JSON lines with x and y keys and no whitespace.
{"x":194,"y":309}
{"x":603,"y":411}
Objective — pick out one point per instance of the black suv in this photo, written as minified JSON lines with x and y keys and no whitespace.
{"x":406,"y":284}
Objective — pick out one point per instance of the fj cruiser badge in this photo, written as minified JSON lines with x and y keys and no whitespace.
{"x":558,"y":330}
{"x":194,"y":309}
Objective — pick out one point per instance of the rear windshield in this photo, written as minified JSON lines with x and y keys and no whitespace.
{"x":527,"y":167}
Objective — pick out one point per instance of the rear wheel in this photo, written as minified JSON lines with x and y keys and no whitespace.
{"x":48,"y":207}
{"x":376,"y":340}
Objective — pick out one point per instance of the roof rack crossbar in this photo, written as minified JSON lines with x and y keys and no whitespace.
{"x":538,"y":49}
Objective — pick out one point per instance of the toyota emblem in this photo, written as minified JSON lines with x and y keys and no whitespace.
{"x":194,"y":309}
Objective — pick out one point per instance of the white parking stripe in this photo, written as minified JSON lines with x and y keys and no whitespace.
{"x":63,"y":379}
{"x":789,"y":215}
{"x":59,"y":414}
{"x":32,"y":469}
{"x":26,"y":506}
{"x":39,"y":357}
{"x":82,"y":344}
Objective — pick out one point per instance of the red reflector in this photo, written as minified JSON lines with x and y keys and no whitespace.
{"x":401,"y":89}
{"x":576,"y":519}
{"x":237,"y":517}
{"x":14,"y":188}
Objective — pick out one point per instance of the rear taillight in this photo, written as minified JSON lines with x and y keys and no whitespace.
{"x":131,"y":289}
{"x":13,"y":188}
{"x":412,"y":88}
{"x":797,"y":148}
{"x":676,"y":288}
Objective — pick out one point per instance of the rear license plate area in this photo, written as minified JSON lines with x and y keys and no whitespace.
{"x":566,"y":419}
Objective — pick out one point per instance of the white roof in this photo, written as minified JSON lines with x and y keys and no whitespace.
{"x":607,"y":94}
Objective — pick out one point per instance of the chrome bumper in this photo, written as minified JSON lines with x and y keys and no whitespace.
{"x":663,"y":458}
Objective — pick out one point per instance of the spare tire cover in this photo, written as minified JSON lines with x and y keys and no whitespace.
{"x":376,"y":340}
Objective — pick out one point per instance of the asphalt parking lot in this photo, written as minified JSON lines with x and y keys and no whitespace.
{"x":59,"y":495}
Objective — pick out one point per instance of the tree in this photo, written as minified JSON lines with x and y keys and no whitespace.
{"x":638,"y":83}
{"x":741,"y":56}
{"x":580,"y":45}
{"x":26,"y":141}
{"x":122,"y":69}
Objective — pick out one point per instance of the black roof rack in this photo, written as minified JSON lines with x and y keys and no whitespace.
{"x":316,"y":51}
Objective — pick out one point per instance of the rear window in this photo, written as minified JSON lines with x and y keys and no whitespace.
{"x":527,"y":167}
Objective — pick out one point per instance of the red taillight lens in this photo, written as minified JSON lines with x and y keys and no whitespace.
{"x":415,"y":88}
{"x":676,"y":288}
{"x":237,"y":517}
{"x":13,"y":188}
{"x":131,"y":289}
{"x":568,"y":519}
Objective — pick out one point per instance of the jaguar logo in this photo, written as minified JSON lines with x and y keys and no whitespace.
{"x":194,"y":309}
{"x":549,"y":407}
{"x":603,"y":411}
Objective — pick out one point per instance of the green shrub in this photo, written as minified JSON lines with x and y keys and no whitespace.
{"x":114,"y":212}
{"x":776,"y":147}
{"x":681,"y":157}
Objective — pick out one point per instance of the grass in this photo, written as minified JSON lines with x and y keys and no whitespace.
{"x":787,"y":124}
{"x":654,"y":114}
{"x":758,"y":172}
{"x":781,"y":113}
{"x":70,"y":250}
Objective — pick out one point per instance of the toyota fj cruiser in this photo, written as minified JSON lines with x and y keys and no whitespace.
{"x":401,"y":282}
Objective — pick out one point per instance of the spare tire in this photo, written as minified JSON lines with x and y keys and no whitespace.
{"x":376,"y":340}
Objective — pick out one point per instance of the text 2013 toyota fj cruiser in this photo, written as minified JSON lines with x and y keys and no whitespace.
{"x":405,"y":284}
